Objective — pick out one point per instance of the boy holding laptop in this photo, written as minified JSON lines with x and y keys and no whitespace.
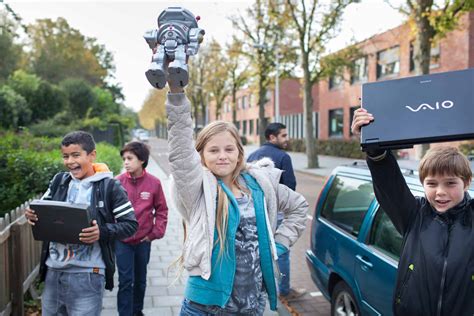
{"x":75,"y":274}
{"x":436,"y":268}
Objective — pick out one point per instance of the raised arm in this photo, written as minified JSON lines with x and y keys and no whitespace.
{"x":184,"y":160}
{"x":390,"y":186}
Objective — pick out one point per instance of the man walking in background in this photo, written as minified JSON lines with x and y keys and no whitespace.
{"x":277,"y":141}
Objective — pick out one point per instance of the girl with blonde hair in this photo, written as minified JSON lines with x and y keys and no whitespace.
{"x":229,"y":208}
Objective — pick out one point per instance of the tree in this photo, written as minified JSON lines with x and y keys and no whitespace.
{"x":431,"y":22}
{"x":104,"y":105}
{"x":262,"y":30}
{"x":60,"y":51}
{"x":10,"y":51}
{"x":198,"y":83}
{"x":80,"y":95}
{"x":315,"y":23}
{"x":14,"y":111}
{"x":217,"y":71}
{"x":153,"y":109}
{"x":237,"y":71}
{"x":49,"y":100}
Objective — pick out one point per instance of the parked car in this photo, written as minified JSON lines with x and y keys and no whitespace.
{"x":354,"y":246}
{"x":143,"y":135}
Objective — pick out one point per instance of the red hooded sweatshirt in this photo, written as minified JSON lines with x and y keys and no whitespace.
{"x":147,"y":198}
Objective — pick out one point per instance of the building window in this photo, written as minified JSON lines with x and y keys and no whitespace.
{"x":435,"y":55}
{"x":388,"y":62}
{"x":359,"y":70}
{"x":250,"y":127}
{"x":244,"y":127}
{"x":335,"y":81}
{"x":336,"y":123}
{"x":257,"y":126}
{"x":243,"y":102}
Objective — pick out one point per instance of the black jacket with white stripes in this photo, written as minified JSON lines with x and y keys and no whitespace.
{"x":112,"y":210}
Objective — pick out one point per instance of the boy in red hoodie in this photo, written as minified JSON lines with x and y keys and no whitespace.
{"x":133,"y":254}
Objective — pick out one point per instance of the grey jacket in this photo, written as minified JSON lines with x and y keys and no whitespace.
{"x":194,"y":192}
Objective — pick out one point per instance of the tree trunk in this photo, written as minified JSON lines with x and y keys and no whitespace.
{"x":310,"y":141}
{"x":196,"y":113}
{"x":203,"y":108}
{"x":262,"y":123}
{"x":234,"y":106}
{"x":422,"y":50}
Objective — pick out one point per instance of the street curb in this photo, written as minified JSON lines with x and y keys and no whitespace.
{"x":309,"y":173}
{"x":283,"y":309}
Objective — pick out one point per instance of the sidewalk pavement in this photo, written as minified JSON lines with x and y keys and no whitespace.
{"x":163,"y":296}
{"x":300,"y":162}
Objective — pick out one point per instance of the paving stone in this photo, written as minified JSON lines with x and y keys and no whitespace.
{"x":172,"y":300}
{"x":160,"y":311}
{"x":156,"y":291}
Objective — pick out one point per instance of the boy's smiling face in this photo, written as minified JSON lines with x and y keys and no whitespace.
{"x":444,"y":191}
{"x":78,"y":161}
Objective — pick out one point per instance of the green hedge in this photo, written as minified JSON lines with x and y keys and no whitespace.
{"x":331,"y":147}
{"x":28,"y":163}
{"x":109,"y":155}
{"x":26,"y":166}
{"x":467,"y":148}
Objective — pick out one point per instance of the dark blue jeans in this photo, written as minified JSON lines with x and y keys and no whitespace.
{"x":132,"y":261}
{"x":284,"y":266}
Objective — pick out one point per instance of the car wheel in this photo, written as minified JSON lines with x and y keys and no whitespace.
{"x":343,"y":302}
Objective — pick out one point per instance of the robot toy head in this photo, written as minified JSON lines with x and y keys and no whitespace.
{"x":177,"y":37}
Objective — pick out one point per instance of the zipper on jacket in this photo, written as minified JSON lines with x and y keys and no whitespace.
{"x":445,"y":268}
{"x":411,"y":268}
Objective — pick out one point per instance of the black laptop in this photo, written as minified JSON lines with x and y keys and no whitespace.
{"x":422,"y":109}
{"x":59,"y":221}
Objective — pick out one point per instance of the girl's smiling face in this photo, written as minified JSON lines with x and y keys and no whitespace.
{"x":221,"y":155}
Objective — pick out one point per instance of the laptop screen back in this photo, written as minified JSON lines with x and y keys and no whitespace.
{"x":421,"y":109}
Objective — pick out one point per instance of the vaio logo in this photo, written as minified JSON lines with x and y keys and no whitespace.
{"x":437,"y":106}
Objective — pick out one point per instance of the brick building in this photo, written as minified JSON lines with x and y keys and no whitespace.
{"x":387,"y":55}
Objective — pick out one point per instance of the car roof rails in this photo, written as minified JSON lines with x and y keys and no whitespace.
{"x":359,"y":163}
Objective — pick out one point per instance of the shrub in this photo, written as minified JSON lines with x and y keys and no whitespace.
{"x":25,"y":173}
{"x":109,"y":155}
{"x":467,"y":148}
{"x":330,"y":147}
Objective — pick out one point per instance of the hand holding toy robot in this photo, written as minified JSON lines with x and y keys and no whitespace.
{"x":178,"y":36}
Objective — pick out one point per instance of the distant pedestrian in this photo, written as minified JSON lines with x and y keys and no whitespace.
{"x":75,"y":274}
{"x":229,"y":208}
{"x":133,"y":254}
{"x":277,"y":141}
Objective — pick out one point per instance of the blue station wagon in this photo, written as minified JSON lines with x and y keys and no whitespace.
{"x":355,"y":247}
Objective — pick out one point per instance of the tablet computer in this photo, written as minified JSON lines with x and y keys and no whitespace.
{"x":422,"y":109}
{"x":60,"y":221}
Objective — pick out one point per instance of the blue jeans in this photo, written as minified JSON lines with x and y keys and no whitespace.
{"x":284,"y":266}
{"x":189,"y":308}
{"x":132,"y":261}
{"x":73,"y":294}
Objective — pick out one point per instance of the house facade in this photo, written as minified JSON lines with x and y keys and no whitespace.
{"x":386,"y":56}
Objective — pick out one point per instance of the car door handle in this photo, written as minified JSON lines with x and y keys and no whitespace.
{"x":365,"y":262}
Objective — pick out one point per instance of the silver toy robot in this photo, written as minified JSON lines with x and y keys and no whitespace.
{"x":177,"y":37}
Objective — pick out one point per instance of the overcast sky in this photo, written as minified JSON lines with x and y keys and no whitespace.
{"x":120,"y":25}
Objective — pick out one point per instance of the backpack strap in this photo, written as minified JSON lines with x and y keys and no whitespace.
{"x":58,"y":179}
{"x":105,"y":193}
